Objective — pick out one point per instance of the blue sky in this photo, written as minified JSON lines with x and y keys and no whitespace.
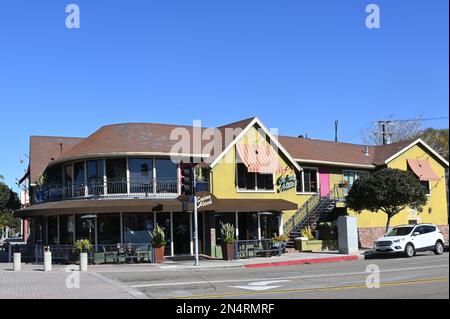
{"x":298,"y":65}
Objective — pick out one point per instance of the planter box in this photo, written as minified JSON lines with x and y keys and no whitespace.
{"x":159,"y":254}
{"x":228,"y":251}
{"x":302,"y":244}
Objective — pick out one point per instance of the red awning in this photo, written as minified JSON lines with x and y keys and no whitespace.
{"x":423,"y":170}
{"x":259,"y":158}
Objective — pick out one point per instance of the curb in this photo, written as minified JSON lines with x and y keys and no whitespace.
{"x":305,"y":261}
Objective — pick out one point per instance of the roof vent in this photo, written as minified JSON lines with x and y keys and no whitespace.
{"x":366,"y":150}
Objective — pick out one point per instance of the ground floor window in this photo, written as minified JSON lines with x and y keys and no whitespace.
{"x":66,"y":229}
{"x":223,"y":218}
{"x":137,"y":228}
{"x":108,"y":228}
{"x":163,"y":220}
{"x":85,"y":228}
{"x":52,"y":230}
{"x":269,"y":223}
{"x":248,"y":225}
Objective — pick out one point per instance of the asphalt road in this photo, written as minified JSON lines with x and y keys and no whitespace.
{"x":424,"y":276}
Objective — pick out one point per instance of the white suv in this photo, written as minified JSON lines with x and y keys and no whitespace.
{"x":409,"y":239}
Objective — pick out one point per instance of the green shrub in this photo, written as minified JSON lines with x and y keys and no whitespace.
{"x":158,"y":237}
{"x":307,"y":232}
{"x":83,"y":245}
{"x":227,"y":233}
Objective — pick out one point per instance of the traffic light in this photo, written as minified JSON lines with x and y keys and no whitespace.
{"x":187,"y":177}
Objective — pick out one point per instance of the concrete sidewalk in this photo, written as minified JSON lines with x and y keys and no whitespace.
{"x":33,"y":283}
{"x":187,"y":263}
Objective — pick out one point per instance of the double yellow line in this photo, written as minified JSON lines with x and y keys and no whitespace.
{"x":300,"y":290}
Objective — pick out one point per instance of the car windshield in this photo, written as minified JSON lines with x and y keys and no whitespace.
{"x":400,"y":231}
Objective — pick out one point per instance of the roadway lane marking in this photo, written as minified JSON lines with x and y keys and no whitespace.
{"x":260,"y":285}
{"x":300,"y":290}
{"x":169,"y":284}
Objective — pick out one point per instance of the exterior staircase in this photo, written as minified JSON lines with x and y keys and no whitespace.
{"x":310,"y":214}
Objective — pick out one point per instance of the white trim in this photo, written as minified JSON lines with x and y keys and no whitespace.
{"x":124,"y":154}
{"x":191,"y":237}
{"x":259,"y":226}
{"x":266,"y":131}
{"x":172,"y":247}
{"x":121,"y":228}
{"x":335,"y":163}
{"x":413,"y":144}
{"x":236,"y":221}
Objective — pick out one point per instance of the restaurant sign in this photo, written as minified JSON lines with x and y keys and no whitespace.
{"x":204,"y":200}
{"x":286,"y":183}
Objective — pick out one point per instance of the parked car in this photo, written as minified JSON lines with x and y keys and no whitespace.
{"x":409,"y":239}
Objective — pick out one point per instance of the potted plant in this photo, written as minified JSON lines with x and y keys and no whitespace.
{"x":158,"y":241}
{"x":83,"y":246}
{"x":227,"y":233}
{"x":307,"y":241}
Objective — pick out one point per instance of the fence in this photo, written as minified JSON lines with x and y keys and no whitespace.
{"x":65,"y":254}
{"x":258,"y":248}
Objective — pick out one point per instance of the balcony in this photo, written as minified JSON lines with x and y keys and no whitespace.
{"x":123,"y":188}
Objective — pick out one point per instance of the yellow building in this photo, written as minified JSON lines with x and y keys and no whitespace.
{"x":132,"y":176}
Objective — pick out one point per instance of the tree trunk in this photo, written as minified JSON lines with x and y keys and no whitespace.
{"x":388,"y":222}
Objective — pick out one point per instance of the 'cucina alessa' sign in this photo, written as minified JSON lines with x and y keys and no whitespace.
{"x":286,"y":183}
{"x":203,"y":201}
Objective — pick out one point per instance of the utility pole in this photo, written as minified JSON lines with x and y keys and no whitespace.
{"x":336,"y":123}
{"x":384,"y":133}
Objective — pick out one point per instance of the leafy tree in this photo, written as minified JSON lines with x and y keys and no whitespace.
{"x":399,"y":131}
{"x":437,"y":139}
{"x":9,"y":201}
{"x":387,"y":190}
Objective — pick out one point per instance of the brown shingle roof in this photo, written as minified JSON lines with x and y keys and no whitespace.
{"x":129,"y":138}
{"x":137,"y":138}
{"x":337,"y":152}
{"x":44,"y":148}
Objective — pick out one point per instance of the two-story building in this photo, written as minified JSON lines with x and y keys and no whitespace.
{"x":129,"y":178}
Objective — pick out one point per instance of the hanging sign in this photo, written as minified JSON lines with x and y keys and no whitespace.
{"x":204,"y":200}
{"x":286,"y":183}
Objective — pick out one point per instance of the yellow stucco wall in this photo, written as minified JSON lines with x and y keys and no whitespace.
{"x":224,"y":178}
{"x":223,"y":181}
{"x":437,"y":201}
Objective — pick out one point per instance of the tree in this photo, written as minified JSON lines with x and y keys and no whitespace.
{"x":9,"y":201}
{"x":399,"y":131}
{"x":437,"y":139}
{"x":387,"y":190}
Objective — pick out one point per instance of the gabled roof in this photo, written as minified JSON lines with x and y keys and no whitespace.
{"x":412,"y":143}
{"x":45,"y":149}
{"x":153,"y":139}
{"x":274,"y":139}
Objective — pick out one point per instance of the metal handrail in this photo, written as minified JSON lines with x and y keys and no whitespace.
{"x":310,"y":208}
{"x":135,"y":188}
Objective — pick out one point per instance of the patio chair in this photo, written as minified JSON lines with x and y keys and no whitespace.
{"x":109,"y":256}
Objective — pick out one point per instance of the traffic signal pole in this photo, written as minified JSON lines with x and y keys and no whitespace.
{"x":195,"y":223}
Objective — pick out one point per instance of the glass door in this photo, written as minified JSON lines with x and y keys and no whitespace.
{"x":181,"y":235}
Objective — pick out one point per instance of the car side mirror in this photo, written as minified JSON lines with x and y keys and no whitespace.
{"x":416,"y":233}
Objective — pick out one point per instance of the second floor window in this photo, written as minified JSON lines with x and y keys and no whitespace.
{"x":253,"y":181}
{"x":307,"y":181}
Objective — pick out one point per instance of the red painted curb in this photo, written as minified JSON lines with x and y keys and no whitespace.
{"x":303,"y":261}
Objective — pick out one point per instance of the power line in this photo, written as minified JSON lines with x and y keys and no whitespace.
{"x":412,"y":120}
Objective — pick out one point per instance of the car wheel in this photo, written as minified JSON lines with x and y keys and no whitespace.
{"x":409,"y":250}
{"x":439,"y":248}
